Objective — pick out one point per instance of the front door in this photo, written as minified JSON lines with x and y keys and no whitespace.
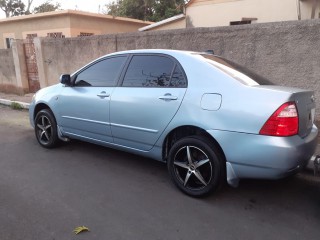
{"x":84,"y":112}
{"x":84,"y":108}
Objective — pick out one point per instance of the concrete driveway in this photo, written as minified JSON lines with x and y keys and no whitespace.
{"x":45,"y":194}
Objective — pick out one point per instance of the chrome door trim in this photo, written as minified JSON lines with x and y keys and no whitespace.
{"x":87,"y":120}
{"x":135,"y":128}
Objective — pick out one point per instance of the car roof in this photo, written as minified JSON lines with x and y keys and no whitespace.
{"x":154,"y":51}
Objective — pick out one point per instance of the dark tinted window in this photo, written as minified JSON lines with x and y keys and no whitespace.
{"x":104,"y":73}
{"x":239,"y":68}
{"x":149,"y":71}
{"x":178,"y":79}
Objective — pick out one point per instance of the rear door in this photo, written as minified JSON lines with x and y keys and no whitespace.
{"x":151,"y":93}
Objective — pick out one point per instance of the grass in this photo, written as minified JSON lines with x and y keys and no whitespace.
{"x":16,"y":106}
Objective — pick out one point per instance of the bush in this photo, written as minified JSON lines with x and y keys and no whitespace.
{"x":16,"y":106}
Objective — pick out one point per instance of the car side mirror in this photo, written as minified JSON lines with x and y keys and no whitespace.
{"x":65,"y":79}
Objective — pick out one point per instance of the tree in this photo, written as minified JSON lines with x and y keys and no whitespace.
{"x":148,"y":10}
{"x":167,"y":8}
{"x":29,"y":2}
{"x":12,"y":7}
{"x":138,"y":9}
{"x":46,"y":7}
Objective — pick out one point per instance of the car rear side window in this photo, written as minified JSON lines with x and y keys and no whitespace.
{"x":178,"y":78}
{"x":237,"y":71}
{"x":153,"y":71}
{"x":104,"y":73}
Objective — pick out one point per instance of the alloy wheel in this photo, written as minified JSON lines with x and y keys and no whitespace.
{"x":44,"y":129}
{"x":192,"y":167}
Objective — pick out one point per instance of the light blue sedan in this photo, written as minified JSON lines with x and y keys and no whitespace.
{"x":209,"y":119}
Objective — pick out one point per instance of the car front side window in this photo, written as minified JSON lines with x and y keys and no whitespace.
{"x":104,"y":73}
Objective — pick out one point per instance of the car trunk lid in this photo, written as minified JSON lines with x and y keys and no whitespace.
{"x":305,"y":103}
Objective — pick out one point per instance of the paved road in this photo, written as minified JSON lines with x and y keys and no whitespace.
{"x":45,"y":194}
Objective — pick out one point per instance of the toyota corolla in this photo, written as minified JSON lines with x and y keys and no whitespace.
{"x":209,"y":119}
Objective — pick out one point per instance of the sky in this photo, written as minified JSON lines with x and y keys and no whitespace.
{"x":83,"y":5}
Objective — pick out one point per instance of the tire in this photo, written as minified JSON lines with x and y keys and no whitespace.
{"x":195,"y":166}
{"x":46,"y":129}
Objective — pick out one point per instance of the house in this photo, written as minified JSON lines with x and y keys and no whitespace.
{"x":63,"y":24}
{"x":212,"y":13}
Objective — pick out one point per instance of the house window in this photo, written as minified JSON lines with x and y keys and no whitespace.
{"x":83,"y":34}
{"x":246,"y":20}
{"x":240,"y":22}
{"x":31,"y":35}
{"x":8,"y":42}
{"x":55,"y":35}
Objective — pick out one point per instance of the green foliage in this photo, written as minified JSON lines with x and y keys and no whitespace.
{"x":148,"y":10}
{"x":16,"y":106}
{"x":46,"y":7}
{"x":167,"y":8}
{"x":12,"y":7}
{"x":17,"y":7}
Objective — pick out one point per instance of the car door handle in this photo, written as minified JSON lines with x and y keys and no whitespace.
{"x":103,"y":95}
{"x":168,"y":97}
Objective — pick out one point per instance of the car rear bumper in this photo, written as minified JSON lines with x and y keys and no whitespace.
{"x":265,"y":157}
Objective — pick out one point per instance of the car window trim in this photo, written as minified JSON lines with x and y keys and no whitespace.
{"x":75,"y":75}
{"x":175,"y":64}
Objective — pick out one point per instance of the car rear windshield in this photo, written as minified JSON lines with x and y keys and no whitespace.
{"x":241,"y":73}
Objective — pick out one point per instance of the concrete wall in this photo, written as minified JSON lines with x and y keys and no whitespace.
{"x":19,"y":27}
{"x":211,"y":13}
{"x":58,"y":56}
{"x":306,"y":9}
{"x":7,"y":71}
{"x":69,"y":23}
{"x":104,"y":24}
{"x":287,"y":53}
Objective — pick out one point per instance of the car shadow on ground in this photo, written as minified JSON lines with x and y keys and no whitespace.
{"x":302,"y":183}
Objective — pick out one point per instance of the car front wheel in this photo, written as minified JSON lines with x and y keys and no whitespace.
{"x":195,"y":166}
{"x":46,"y":129}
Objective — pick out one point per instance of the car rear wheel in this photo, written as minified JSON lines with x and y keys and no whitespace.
{"x":195,"y":166}
{"x":46,"y":129}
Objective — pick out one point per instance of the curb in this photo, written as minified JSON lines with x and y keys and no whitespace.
{"x":9,"y":102}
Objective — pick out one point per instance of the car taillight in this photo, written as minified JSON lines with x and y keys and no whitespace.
{"x":283,"y":123}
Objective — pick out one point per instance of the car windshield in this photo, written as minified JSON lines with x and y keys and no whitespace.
{"x":237,"y":71}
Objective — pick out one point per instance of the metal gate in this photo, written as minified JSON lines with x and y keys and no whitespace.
{"x":32,"y":69}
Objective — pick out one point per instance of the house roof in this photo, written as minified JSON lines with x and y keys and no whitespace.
{"x":163,"y":22}
{"x":70,"y":12}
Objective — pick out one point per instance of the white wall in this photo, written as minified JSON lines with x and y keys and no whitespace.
{"x":210,"y":13}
